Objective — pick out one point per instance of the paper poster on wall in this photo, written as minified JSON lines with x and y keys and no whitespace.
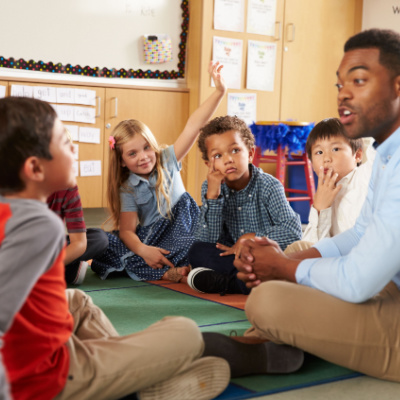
{"x":21,"y":91}
{"x":261,"y":57}
{"x":65,"y":113}
{"x":65,"y":95}
{"x":228,"y":51}
{"x":2,"y":91}
{"x":73,"y":130}
{"x":261,"y":15}
{"x":384,"y":14}
{"x":85,"y":114}
{"x":243,"y":105}
{"x":90,"y":168}
{"x":45,"y":93}
{"x":89,"y":135}
{"x":85,"y":97}
{"x":229,"y":15}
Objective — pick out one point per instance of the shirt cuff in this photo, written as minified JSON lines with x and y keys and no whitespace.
{"x":327,"y":248}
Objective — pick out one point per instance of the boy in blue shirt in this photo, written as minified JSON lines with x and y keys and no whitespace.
{"x":240,"y":201}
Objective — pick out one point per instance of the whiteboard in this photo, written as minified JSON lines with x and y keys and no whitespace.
{"x":104,"y":35}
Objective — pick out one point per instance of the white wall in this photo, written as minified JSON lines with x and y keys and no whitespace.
{"x":94,"y":33}
{"x":381,"y":14}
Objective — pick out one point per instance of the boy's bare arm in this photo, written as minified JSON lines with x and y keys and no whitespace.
{"x":76,"y":247}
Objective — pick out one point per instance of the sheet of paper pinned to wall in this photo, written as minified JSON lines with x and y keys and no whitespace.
{"x":261,"y":15}
{"x":244,"y":106}
{"x":45,"y":93}
{"x":21,"y":91}
{"x":261,"y":60}
{"x":229,"y":15}
{"x":65,"y":113}
{"x":89,"y":135}
{"x":90,"y":168}
{"x":66,"y":95}
{"x":229,"y":52}
{"x":85,"y":96}
{"x":2,"y":91}
{"x":85,"y":115}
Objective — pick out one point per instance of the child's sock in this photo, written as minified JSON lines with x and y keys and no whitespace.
{"x":252,"y":359}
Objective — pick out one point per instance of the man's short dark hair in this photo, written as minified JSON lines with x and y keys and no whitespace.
{"x":328,"y":128}
{"x":26,"y":127}
{"x":220,"y":125}
{"x":385,"y":40}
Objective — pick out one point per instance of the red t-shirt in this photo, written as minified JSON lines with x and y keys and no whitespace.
{"x":35,"y":353}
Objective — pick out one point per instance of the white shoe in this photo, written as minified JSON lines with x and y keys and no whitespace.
{"x":205,"y":379}
{"x":81,"y":273}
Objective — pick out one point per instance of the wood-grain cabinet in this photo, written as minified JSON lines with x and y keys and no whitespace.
{"x":164,"y":111}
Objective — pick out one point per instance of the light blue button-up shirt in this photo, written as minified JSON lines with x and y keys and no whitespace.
{"x":361,"y":261}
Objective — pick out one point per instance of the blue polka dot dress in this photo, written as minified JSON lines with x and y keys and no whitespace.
{"x":175,"y":235}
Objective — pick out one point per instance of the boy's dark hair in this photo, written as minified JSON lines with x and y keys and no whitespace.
{"x":220,"y":125}
{"x":26,"y":127}
{"x":385,"y":40}
{"x":328,"y":128}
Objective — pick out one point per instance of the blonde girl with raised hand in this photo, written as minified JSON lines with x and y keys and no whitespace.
{"x":153,"y":217}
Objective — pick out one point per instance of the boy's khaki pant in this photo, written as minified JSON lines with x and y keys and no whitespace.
{"x":104,"y":365}
{"x":364,"y":337}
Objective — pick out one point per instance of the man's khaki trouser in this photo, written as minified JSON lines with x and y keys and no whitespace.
{"x":364,"y":337}
{"x":104,"y":365}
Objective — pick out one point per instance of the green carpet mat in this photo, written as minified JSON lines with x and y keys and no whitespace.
{"x":132,"y":306}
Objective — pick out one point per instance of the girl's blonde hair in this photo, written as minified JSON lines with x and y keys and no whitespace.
{"x":118,"y":175}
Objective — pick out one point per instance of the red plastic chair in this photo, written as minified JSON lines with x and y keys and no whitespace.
{"x":283,"y":160}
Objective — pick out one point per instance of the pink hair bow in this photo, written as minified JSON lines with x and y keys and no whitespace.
{"x":111,"y":142}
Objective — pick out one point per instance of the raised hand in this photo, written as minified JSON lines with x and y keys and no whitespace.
{"x":214,"y":70}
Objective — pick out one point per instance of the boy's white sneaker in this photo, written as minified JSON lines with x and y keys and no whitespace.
{"x":205,"y":379}
{"x":81,"y":273}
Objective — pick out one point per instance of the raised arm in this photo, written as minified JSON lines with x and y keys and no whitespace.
{"x":199,"y":118}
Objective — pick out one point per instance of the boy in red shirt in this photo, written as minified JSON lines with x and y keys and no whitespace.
{"x":57,"y":344}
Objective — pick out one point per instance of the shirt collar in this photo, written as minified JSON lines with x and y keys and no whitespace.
{"x":386,"y":149}
{"x":134,"y":179}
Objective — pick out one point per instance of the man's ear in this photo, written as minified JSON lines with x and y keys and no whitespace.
{"x":33,"y":169}
{"x":397,"y":85}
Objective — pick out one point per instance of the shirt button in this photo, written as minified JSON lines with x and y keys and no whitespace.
{"x":204,"y":226}
{"x":249,"y":195}
{"x":239,"y":208}
{"x":383,"y":166}
{"x":242,"y":230}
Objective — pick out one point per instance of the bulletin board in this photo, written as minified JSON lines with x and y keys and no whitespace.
{"x":96,"y":38}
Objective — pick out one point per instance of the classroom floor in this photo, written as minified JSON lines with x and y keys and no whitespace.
{"x":360,"y":388}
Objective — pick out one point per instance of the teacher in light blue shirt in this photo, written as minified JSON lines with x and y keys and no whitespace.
{"x":340,"y":300}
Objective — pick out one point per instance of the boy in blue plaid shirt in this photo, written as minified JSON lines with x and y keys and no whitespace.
{"x":240,"y":201}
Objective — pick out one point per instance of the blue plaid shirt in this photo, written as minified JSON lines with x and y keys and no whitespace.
{"x":260,"y":208}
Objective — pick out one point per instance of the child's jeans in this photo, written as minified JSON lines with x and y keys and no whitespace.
{"x":203,"y":254}
{"x":104,"y":365}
